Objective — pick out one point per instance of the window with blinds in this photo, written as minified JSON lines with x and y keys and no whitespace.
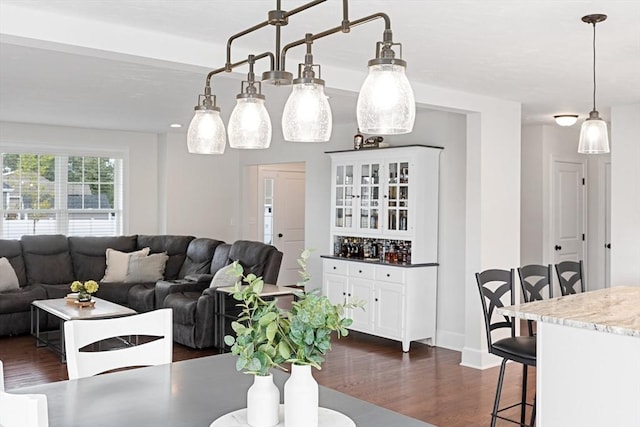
{"x":57,"y":194}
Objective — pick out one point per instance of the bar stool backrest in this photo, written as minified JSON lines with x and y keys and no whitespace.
{"x":536,"y":282}
{"x":496,"y":290}
{"x":569,"y":274}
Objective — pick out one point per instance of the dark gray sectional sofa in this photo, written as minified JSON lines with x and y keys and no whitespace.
{"x":46,"y":265}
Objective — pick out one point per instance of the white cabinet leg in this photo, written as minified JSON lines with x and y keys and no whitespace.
{"x":405,"y":345}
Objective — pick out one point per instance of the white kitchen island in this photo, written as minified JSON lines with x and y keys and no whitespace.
{"x":588,"y":358}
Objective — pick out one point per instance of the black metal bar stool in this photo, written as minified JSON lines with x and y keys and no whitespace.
{"x":569,"y":274}
{"x":536,"y":282}
{"x":495,"y":287}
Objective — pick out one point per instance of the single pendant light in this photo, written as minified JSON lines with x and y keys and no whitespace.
{"x":386,"y":105}
{"x":250,"y":124}
{"x":594,"y":138}
{"x":206,"y":134}
{"x":307,"y":113}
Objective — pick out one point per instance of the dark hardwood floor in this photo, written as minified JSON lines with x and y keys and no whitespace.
{"x":427,"y":383}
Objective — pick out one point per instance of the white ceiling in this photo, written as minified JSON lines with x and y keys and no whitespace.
{"x":536,"y":52}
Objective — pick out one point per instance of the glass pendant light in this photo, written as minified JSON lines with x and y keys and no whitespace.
{"x":250,"y":124}
{"x":206,"y":134}
{"x":386,"y":105}
{"x":307,"y":114}
{"x":594,"y":138}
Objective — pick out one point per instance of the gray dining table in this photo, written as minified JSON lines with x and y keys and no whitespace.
{"x":189,"y":393}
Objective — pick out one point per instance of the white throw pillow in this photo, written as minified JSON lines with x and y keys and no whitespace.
{"x":8,"y":278}
{"x":224,"y":277}
{"x":146,"y":269}
{"x":118,"y":264}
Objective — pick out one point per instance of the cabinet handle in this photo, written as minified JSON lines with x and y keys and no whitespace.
{"x":558,"y":248}
{"x":344,"y":294}
{"x":376,"y":299}
{"x":349,"y":294}
{"x":334,"y":267}
{"x":360,"y":271}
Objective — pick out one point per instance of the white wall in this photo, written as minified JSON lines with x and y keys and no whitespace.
{"x":201,"y":194}
{"x":141,"y":162}
{"x":625,"y":196}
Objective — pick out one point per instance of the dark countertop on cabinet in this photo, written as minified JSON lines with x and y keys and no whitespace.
{"x":387,"y":264}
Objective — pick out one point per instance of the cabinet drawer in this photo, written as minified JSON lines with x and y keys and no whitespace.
{"x":335,"y":267}
{"x":361,"y":270}
{"x":390,"y":274}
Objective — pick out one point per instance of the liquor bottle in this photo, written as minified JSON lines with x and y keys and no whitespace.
{"x":358,"y":139}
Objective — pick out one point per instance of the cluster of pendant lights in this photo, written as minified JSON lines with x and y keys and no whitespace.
{"x":386,"y":104}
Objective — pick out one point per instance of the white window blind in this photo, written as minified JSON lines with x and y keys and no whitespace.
{"x":65,"y":194}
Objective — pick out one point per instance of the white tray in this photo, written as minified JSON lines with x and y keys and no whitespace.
{"x":326,"y":418}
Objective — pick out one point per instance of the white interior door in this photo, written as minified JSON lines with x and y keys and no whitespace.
{"x":568,"y":211}
{"x":288,"y":223}
{"x":607,"y":225}
{"x":281,"y":202}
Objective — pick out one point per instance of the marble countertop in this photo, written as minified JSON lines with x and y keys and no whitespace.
{"x":614,"y":310}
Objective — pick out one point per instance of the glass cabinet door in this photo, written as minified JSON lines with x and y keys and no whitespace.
{"x":369,"y":208}
{"x":344,"y":196}
{"x":397,"y":196}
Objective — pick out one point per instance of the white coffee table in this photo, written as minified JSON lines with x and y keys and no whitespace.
{"x":65,"y":310}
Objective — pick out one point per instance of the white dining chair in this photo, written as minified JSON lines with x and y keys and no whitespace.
{"x":81,"y":333}
{"x":22,"y":410}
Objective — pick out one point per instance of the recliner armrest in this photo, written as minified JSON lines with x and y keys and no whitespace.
{"x":199,"y":278}
{"x":165,"y":287}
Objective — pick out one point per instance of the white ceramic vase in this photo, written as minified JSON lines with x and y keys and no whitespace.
{"x":263,"y":402}
{"x":301,"y":398}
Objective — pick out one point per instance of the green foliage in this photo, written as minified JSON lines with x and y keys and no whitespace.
{"x":312,"y":320}
{"x":267,"y":336}
{"x":259,"y":330}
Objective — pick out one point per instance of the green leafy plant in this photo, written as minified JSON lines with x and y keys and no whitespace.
{"x":259,"y":329}
{"x":312,"y":320}
{"x":267,"y":336}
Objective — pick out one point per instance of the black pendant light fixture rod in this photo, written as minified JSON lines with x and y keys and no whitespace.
{"x":593,"y":20}
{"x":278,"y":18}
{"x":334,"y":30}
{"x":237,"y":64}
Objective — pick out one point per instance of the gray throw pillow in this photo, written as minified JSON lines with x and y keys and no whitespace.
{"x":8,"y":277}
{"x":146,"y":269}
{"x":224,"y":277}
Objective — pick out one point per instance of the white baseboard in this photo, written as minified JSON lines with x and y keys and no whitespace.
{"x":450,"y":340}
{"x":478,"y":359}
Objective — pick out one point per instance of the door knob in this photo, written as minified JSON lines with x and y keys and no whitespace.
{"x":280,"y":235}
{"x":558,"y":247}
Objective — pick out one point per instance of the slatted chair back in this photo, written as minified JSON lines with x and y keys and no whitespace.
{"x":22,"y":410}
{"x":570,"y":274}
{"x":82,"y":333}
{"x":496,"y":290}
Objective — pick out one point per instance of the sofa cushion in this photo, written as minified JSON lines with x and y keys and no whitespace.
{"x":20,"y":300}
{"x":146,"y":269}
{"x":257,"y":258}
{"x":115,"y":292}
{"x":12,"y":251}
{"x":88,"y":254}
{"x":174,"y":246}
{"x":118,"y":264}
{"x":199,"y":254}
{"x":47,"y":259}
{"x":8,"y":278}
{"x":220,"y":257}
